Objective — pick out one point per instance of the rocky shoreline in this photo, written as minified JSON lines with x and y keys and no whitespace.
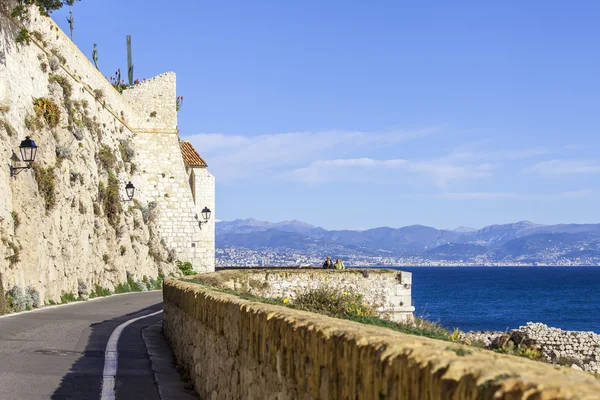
{"x":575,"y":349}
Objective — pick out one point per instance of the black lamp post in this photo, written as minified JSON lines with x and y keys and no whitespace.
{"x":130,"y":190}
{"x":205,"y":215}
{"x":28,"y":150}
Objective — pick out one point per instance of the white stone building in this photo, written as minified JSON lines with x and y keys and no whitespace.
{"x":202,"y":184}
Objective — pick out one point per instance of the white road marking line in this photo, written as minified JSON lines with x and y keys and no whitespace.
{"x":73,"y":303}
{"x":111,"y":359}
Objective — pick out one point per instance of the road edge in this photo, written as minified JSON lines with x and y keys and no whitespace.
{"x":170,"y":383}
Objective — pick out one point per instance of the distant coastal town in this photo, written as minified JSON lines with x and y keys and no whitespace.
{"x":242,"y":257}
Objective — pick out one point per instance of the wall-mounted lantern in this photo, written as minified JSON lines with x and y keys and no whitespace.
{"x":205,"y":215}
{"x":28,"y":150}
{"x":130,"y":190}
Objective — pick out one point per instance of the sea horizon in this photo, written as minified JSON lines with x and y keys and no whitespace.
{"x":499,"y":298}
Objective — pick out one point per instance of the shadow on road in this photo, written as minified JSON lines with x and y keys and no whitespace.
{"x":84,"y":380}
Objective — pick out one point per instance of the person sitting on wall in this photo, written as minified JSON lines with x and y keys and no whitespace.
{"x":328,"y":264}
{"x":339,"y":264}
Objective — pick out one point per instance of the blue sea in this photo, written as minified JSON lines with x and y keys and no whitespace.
{"x":501,"y":298}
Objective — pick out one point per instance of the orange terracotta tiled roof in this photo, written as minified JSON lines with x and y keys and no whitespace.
{"x":191,"y":158}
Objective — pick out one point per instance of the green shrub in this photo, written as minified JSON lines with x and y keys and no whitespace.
{"x":56,"y":53}
{"x":16,"y":219}
{"x":67,"y":298}
{"x":334,"y":302}
{"x":48,"y":110}
{"x":2,"y":298}
{"x":33,"y":123}
{"x":18,"y":300}
{"x":38,"y":36}
{"x":99,"y":291}
{"x":10,"y":131}
{"x":106,"y":157}
{"x":520,"y":350}
{"x":186,"y":268}
{"x":127,"y":151}
{"x":20,"y":12}
{"x":112,"y":201}
{"x":64,"y":83}
{"x":45,"y":7}
{"x":46,"y":182}
{"x":159,"y":280}
{"x":16,"y":250}
{"x":23,"y":37}
{"x":122,"y":288}
{"x":98,"y":94}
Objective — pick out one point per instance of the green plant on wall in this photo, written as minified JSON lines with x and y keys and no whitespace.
{"x":46,"y":181}
{"x":16,"y":219}
{"x":48,"y":110}
{"x":186,"y":268}
{"x":10,"y":131}
{"x":112,"y":201}
{"x":23,"y":36}
{"x":106,"y":157}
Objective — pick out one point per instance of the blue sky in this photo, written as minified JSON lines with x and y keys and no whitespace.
{"x":363,"y":114}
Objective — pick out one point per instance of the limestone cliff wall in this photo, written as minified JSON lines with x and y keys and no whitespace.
{"x":62,"y":222}
{"x":238,"y":349}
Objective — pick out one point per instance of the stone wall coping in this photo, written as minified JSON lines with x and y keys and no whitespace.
{"x":419,"y":367}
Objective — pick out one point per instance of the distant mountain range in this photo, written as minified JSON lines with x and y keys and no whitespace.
{"x":524,"y":241}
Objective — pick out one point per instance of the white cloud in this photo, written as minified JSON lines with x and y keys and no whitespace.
{"x":238,"y":157}
{"x":505,"y":155}
{"x":371,"y":170}
{"x":518,"y":196}
{"x":556,"y":168}
{"x":444,"y":173}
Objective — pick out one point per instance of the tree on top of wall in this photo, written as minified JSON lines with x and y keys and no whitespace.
{"x":47,"y":6}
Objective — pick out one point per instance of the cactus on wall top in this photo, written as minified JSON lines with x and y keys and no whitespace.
{"x":129,"y":61}
{"x":71,"y":21}
{"x":95,"y":56}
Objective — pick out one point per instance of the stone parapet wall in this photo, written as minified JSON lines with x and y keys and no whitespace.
{"x":238,"y":349}
{"x":389,"y":291}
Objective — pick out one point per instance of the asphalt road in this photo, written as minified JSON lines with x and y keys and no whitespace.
{"x":58,"y":353}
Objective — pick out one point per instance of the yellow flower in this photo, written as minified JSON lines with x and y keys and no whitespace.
{"x":286,"y":300}
{"x":357,"y":294}
{"x":332,"y":297}
{"x":345,"y":293}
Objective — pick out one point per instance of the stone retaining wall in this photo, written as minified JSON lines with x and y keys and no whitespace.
{"x":387,"y":290}
{"x":581,"y":350}
{"x":558,"y":346}
{"x":237,"y":349}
